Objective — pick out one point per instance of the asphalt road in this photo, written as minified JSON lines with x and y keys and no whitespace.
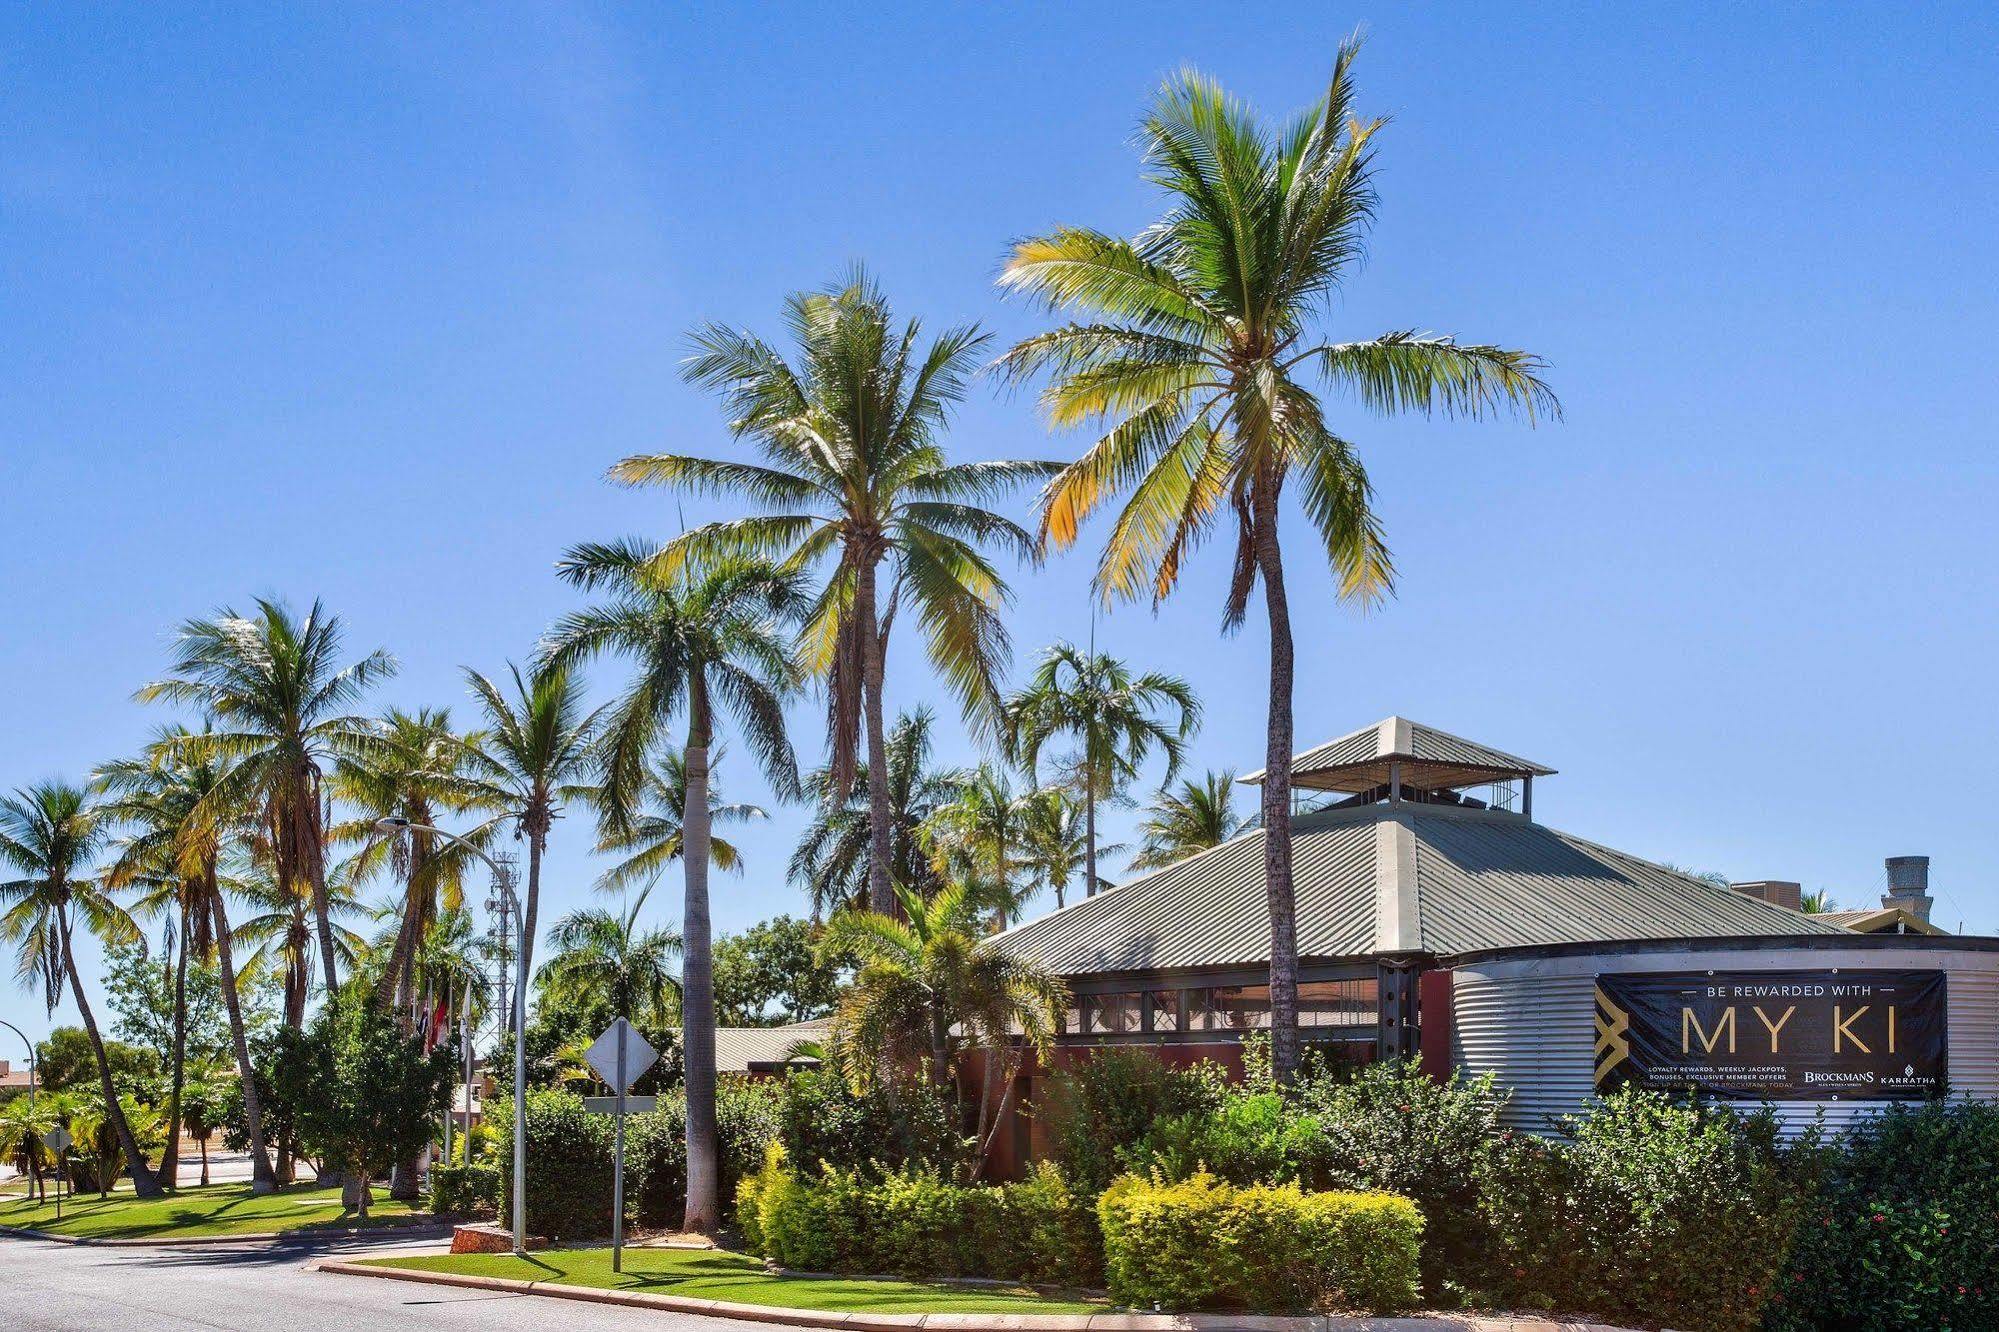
{"x":265,"y":1287}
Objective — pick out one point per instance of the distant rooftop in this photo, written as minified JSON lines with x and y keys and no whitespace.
{"x":1396,"y":748}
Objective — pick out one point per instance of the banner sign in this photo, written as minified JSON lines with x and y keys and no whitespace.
{"x":1774,"y":1035}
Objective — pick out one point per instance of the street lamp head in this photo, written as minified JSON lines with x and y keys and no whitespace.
{"x":391,"y":825}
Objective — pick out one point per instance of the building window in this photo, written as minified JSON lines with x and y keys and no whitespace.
{"x":1110,"y":1014}
{"x":1233,"y":1008}
{"x":1338,"y":1003}
{"x":1165,"y":1007}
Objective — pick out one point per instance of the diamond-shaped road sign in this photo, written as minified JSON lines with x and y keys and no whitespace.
{"x":56,"y":1139}
{"x":638,"y":1056}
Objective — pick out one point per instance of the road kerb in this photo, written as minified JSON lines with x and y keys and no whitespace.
{"x":962,"y":1322}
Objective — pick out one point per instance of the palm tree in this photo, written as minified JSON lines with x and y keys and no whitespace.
{"x":709,"y":637}
{"x":179,"y":797}
{"x":1194,"y":345}
{"x":410,"y":766}
{"x":654,"y":836}
{"x":855,"y":477}
{"x":200,"y":1116}
{"x":276,"y":680}
{"x":1817,"y":902}
{"x":23,"y":1122}
{"x":597,"y":956}
{"x":1116,"y":719}
{"x":1179,"y":823}
{"x":534,"y":755}
{"x":980,"y":839}
{"x":834,"y":859}
{"x":50,"y":833}
{"x":932,"y":986}
{"x":280,"y":929}
{"x":1055,"y":843}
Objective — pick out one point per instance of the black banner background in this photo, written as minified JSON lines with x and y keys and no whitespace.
{"x":1837,"y":1035}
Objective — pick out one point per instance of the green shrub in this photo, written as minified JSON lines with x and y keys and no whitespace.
{"x":465,"y":1190}
{"x":1248,"y":1138}
{"x":1653,"y":1210}
{"x":913,"y":1222}
{"x":818,"y":1118}
{"x":569,"y":1164}
{"x":1103,"y":1108}
{"x":1204,"y":1243}
{"x":1392,"y":1127}
{"x":1907,"y":1222}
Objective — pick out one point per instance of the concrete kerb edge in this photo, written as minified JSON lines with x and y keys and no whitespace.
{"x":963,"y":1322}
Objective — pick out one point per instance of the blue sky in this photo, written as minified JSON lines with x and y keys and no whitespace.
{"x":359,"y":304}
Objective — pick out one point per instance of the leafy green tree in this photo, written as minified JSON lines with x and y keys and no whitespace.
{"x":770,"y":974}
{"x":51,"y":834}
{"x":284,"y":1077}
{"x":377,"y":1094}
{"x":144,"y":1010}
{"x":706,"y":640}
{"x":854,"y":477}
{"x":1116,"y":719}
{"x":65,"y":1059}
{"x":833,"y":859}
{"x":653,"y":837}
{"x":23,"y":1122}
{"x":1181,"y":823}
{"x":275,"y":683}
{"x":1196,"y":344}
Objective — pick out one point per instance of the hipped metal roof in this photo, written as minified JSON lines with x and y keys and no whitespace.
{"x":1389,"y":879}
{"x":1429,"y":758}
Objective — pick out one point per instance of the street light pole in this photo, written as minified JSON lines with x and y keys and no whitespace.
{"x":31,"y":1081}
{"x":396,"y":827}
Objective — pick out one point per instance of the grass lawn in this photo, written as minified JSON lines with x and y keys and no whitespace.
{"x":220,"y":1209}
{"x":706,"y":1274}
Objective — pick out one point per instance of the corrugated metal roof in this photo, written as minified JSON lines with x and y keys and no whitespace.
{"x":1483,"y":879}
{"x":1398,"y":737}
{"x":1880,"y":920}
{"x":736,"y":1048}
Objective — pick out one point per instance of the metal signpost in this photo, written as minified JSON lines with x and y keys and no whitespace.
{"x":57,"y":1140}
{"x":620,"y":1057}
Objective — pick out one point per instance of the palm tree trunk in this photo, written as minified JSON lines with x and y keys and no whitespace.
{"x":1277,"y":795}
{"x":881,"y":897}
{"x":1089,"y":833}
{"x":170,"y":1158}
{"x":144,"y":1183}
{"x":262,"y":1179}
{"x":697,"y":980}
{"x":311,"y":852}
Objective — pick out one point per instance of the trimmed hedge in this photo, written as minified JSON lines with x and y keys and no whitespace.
{"x":913,"y":1222}
{"x":1205,"y":1243}
{"x":465,"y":1190}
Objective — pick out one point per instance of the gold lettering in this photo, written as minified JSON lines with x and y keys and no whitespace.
{"x":1891,"y":1029}
{"x":1844,"y":1027}
{"x":1777,"y":1026}
{"x":1690,"y":1026}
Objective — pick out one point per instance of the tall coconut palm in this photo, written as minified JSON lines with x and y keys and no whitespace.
{"x":854,"y":477}
{"x":1196,"y":345}
{"x":710,"y":639}
{"x":278,"y":929}
{"x":1180,"y":823}
{"x":51,"y":834}
{"x":834,"y":860}
{"x":598,"y":956}
{"x":175,"y":800}
{"x":980,"y":839}
{"x":536,"y":752}
{"x":1116,"y":719}
{"x":1055,"y":847}
{"x":654,"y":836}
{"x":275,"y":684}
{"x":409,"y":766}
{"x":931,"y":986}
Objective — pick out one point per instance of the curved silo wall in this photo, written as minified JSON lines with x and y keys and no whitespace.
{"x":1528,"y":1015}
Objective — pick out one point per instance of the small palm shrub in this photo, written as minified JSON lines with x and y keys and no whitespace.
{"x":1202,"y":1242}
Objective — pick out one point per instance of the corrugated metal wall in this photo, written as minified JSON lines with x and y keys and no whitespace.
{"x":1530,"y":1021}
